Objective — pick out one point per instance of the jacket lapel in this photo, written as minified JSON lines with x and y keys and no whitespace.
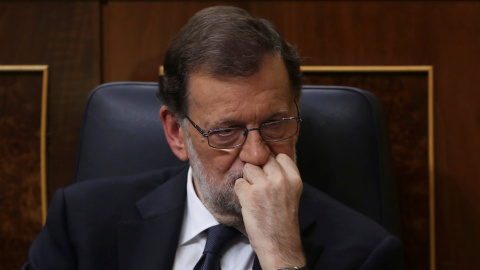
{"x":307,"y":221}
{"x":151,"y":242}
{"x":256,"y":264}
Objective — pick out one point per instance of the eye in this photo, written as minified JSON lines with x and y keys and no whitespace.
{"x":279,"y":129}
{"x":225,"y":132}
{"x":226,"y":137}
{"x":272,"y":124}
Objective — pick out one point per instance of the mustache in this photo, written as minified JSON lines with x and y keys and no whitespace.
{"x":236,"y":169}
{"x":234,"y":175}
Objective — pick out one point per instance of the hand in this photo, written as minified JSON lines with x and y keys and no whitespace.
{"x":269,"y":196}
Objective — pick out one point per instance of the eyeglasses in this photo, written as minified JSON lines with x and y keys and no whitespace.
{"x":271,"y":131}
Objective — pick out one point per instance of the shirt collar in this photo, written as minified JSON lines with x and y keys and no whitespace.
{"x":197,"y":218}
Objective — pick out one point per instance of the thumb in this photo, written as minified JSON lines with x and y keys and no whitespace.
{"x":240,"y":188}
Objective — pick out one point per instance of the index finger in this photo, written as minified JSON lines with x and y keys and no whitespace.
{"x":288,"y":165}
{"x":272,"y":168}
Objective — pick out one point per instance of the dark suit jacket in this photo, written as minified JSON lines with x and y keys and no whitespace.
{"x":134,"y":222}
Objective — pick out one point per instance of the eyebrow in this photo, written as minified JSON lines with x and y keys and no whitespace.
{"x":231,"y":121}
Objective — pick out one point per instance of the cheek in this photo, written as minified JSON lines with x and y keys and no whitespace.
{"x":288,"y":148}
{"x":217,"y":161}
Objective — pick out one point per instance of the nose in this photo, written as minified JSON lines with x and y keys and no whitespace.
{"x":254,"y":151}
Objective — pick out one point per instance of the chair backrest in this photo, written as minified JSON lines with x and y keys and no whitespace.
{"x":343,"y":147}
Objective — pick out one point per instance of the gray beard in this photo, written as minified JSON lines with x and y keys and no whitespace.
{"x":218,"y":195}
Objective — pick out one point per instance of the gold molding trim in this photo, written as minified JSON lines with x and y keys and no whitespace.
{"x":43,"y":125}
{"x":366,"y":68}
{"x":431,"y":164}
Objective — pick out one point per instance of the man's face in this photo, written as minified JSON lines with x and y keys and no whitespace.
{"x":232,"y":102}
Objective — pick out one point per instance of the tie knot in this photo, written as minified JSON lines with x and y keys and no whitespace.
{"x":219,"y":237}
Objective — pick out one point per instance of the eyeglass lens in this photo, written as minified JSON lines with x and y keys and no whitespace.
{"x":271,"y":132}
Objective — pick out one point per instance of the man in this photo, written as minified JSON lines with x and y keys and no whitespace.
{"x":230,"y":92}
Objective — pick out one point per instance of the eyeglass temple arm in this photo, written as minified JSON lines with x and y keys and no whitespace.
{"x":197,"y":127}
{"x":298,"y":111}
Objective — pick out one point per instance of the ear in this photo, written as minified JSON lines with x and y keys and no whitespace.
{"x":174,"y":133}
{"x":297,"y":100}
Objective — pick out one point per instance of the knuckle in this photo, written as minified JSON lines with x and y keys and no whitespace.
{"x":282,"y":157}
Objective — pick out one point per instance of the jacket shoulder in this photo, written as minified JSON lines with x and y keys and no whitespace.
{"x":349,"y":239}
{"x":96,"y":205}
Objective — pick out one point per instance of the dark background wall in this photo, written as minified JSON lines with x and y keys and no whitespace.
{"x":86,"y":43}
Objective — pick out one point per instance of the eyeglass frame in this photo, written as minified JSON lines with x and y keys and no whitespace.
{"x":206,"y":134}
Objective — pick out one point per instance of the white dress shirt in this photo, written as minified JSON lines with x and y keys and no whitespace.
{"x":193,"y":238}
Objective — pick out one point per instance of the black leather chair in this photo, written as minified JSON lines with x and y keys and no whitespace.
{"x":343,"y":147}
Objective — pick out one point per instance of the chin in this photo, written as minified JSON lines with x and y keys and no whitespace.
{"x":217,"y":192}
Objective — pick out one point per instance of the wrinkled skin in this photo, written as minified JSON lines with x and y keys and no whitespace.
{"x":259,"y":180}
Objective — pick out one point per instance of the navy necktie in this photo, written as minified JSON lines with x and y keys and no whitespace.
{"x":218,"y":239}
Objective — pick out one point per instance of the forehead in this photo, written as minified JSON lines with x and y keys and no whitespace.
{"x":267,"y":89}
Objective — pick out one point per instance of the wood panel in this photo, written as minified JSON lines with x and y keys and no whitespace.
{"x":135,"y":35}
{"x":20,"y":171}
{"x":444,"y":34}
{"x":64,"y":36}
{"x":405,"y":96}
